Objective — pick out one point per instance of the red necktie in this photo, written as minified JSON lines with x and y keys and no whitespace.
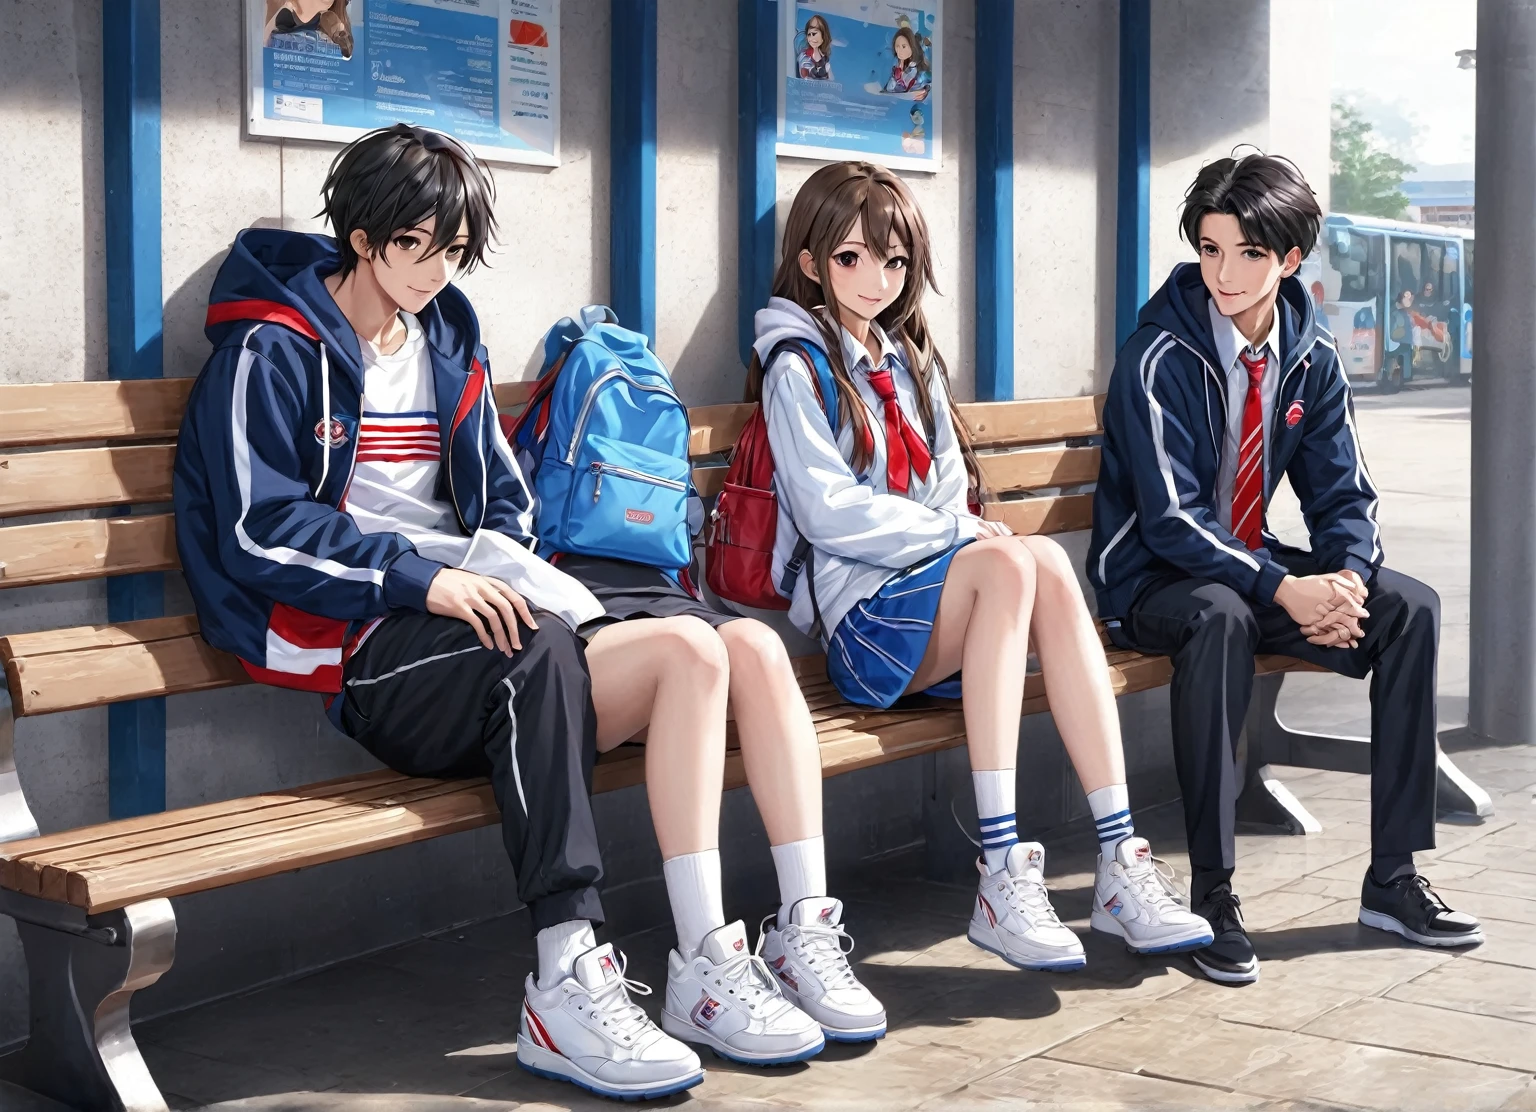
{"x":905,"y":451}
{"x":1248,"y":490}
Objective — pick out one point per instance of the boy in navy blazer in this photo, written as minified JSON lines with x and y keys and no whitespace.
{"x":1228,"y":383}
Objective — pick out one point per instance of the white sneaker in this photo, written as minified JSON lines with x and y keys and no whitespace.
{"x":1014,"y":918}
{"x":725,"y":999}
{"x":808,"y":958}
{"x":587,"y":1031}
{"x":1134,"y":899}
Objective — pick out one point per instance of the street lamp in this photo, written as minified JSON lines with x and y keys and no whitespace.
{"x":1466,"y":59}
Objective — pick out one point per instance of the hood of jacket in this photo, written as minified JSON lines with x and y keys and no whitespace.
{"x":782,"y":320}
{"x":1181,"y":307}
{"x":279,"y":276}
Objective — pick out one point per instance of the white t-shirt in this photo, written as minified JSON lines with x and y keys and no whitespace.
{"x":394,"y":484}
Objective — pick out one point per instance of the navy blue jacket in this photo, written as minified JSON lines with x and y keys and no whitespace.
{"x":280,"y":574}
{"x":1164,"y":423}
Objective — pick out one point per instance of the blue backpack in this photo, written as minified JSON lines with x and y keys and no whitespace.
{"x":606,"y":437}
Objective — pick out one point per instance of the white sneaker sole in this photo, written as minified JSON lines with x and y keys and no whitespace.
{"x":987,"y":940}
{"x":557,"y":1067}
{"x":687,"y":1032}
{"x":1384,"y":922}
{"x":1105,"y":923}
{"x":1228,"y":976}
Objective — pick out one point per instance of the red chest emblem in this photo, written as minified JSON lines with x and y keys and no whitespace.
{"x":331,"y":432}
{"x":1293,"y":415}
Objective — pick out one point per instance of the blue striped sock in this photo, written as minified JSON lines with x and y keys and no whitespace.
{"x":999,"y":834}
{"x":1113,"y":829}
{"x":1111,"y":807}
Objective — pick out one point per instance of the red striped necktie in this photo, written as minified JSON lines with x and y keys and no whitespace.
{"x":1248,"y":490}
{"x":905,"y":450}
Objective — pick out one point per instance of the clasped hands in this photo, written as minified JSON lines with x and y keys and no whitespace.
{"x":1328,"y":607}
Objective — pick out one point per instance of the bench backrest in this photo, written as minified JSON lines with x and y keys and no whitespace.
{"x":111,"y":445}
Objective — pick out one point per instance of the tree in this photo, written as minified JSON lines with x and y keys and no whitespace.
{"x":1365,"y":178}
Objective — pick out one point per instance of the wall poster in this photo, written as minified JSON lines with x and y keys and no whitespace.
{"x":861,"y":79}
{"x":486,"y":72}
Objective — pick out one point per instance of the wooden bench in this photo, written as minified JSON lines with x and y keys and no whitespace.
{"x":92,"y":904}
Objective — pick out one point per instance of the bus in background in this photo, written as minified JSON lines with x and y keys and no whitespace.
{"x":1397,"y":298}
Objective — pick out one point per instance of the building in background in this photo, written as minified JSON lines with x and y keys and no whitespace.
{"x":1440,"y":202}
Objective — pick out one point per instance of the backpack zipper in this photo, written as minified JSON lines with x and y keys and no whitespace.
{"x":591,"y":399}
{"x":599,"y":469}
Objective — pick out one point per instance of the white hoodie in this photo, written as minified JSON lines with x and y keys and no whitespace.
{"x":861,"y":535}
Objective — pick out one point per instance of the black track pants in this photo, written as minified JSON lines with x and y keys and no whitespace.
{"x":423,"y":696}
{"x":1213,"y":633}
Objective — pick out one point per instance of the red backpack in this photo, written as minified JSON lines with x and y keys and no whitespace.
{"x":738,"y":557}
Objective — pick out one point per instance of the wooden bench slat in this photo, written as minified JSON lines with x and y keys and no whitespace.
{"x":84,"y":478}
{"x":1028,"y":516}
{"x":97,"y":676}
{"x":1039,"y":467}
{"x":714,"y":428}
{"x":64,"y":551}
{"x":38,"y":413}
{"x":1031,"y":421}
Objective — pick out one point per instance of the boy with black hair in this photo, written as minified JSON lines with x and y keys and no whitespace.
{"x":1228,"y":383}
{"x":351,"y":521}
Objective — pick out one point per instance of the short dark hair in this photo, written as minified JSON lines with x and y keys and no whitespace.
{"x":1275,"y":207}
{"x":394,"y":178}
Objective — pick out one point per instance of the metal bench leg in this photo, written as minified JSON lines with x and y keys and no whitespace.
{"x":1276,"y":743}
{"x":16,"y":819}
{"x":82,"y":972}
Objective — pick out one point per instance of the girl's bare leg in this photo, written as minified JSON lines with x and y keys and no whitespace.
{"x":982,"y":630}
{"x":1072,"y":661}
{"x":668,"y":677}
{"x":778,"y":738}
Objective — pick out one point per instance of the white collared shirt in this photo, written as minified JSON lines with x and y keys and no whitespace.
{"x":1230,"y":344}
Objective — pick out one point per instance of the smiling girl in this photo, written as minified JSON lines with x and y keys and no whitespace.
{"x":908,"y":589}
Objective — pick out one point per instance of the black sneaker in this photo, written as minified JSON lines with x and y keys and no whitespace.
{"x":1229,"y":959}
{"x":1408,"y":906}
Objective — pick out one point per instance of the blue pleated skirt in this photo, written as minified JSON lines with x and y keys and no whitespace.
{"x":880,"y":642}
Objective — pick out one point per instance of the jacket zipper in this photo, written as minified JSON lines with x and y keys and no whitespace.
{"x":599,"y":469}
{"x":591,"y":399}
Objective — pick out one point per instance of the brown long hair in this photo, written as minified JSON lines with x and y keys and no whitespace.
{"x":820,"y":24}
{"x":824,"y":211}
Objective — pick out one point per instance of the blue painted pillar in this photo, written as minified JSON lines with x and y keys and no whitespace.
{"x":131,"y":160}
{"x":632,"y":139}
{"x":994,"y":200}
{"x":757,"y":116}
{"x":1134,"y":201}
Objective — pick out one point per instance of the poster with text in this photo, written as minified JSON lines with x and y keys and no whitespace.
{"x":486,"y":72}
{"x":861,"y":79}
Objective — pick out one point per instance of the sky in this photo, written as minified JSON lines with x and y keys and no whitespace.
{"x":1396,"y":61}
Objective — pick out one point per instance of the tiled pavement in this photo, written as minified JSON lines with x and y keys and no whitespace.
{"x":1343,"y":1017}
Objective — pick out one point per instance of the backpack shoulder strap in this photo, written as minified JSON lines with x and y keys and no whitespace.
{"x":821,"y":374}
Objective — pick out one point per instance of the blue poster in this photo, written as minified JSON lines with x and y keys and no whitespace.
{"x":861,"y":80}
{"x":484,"y":71}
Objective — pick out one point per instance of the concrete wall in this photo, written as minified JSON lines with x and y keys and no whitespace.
{"x":553,"y":259}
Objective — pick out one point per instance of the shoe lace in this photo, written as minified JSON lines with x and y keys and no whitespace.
{"x":1027,"y":895}
{"x":1151,"y":878}
{"x":1427,"y":896}
{"x":822,"y":949}
{"x":746,"y":977}
{"x":613,"y":1008}
{"x":1223,"y":910}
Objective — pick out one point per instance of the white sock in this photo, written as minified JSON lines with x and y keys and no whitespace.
{"x":1111,"y":809}
{"x":559,"y":947}
{"x":995,"y":811}
{"x":802,"y":869}
{"x":693,"y":886}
